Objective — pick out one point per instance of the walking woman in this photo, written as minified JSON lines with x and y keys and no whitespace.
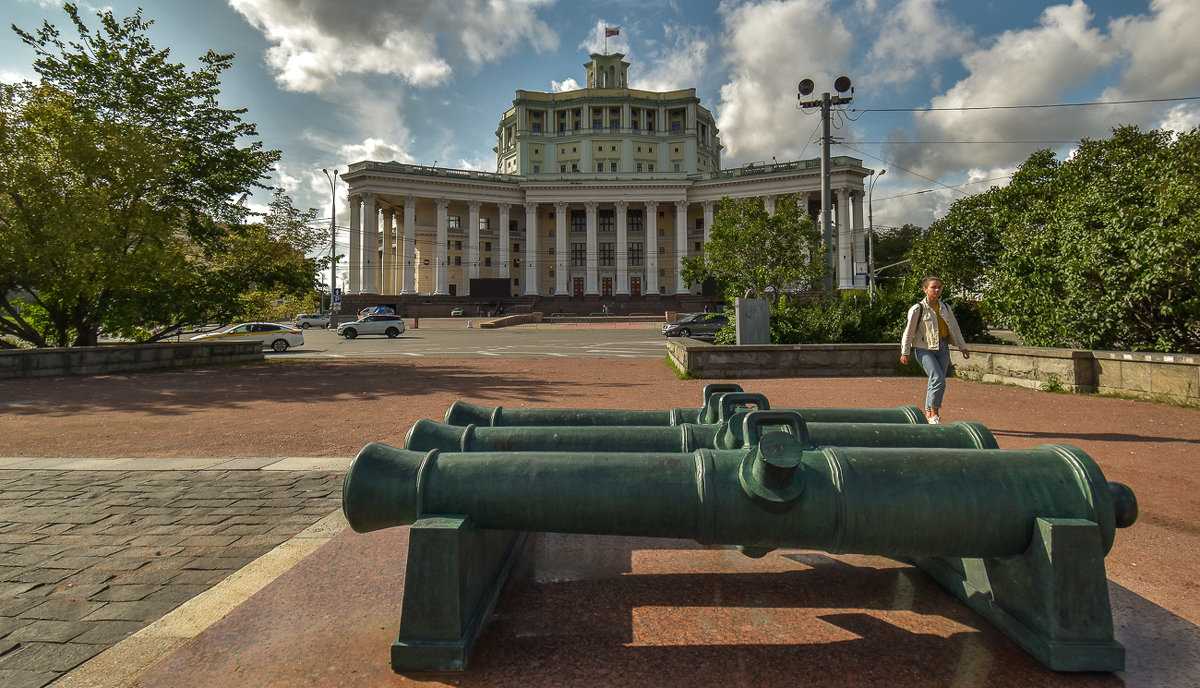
{"x":930,"y":324}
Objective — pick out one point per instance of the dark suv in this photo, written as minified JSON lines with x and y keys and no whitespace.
{"x":696,"y":324}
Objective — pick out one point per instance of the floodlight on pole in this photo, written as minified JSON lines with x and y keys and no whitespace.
{"x":805,"y":88}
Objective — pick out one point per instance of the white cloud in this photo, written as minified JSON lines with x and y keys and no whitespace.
{"x":914,"y":35}
{"x":1031,"y":66}
{"x":374,"y":149}
{"x":316,"y":42}
{"x":561,"y":86}
{"x":770,"y":45}
{"x":1164,"y":61}
{"x":681,"y":63}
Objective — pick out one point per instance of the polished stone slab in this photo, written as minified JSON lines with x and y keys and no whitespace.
{"x":593,"y":610}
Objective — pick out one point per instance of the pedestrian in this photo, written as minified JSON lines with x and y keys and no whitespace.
{"x":930,"y":324}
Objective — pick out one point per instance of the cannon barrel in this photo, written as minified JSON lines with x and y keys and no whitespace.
{"x":892,"y":502}
{"x":425,"y":435}
{"x":462,"y":413}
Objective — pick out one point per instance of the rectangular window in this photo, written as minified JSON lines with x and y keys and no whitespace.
{"x":512,"y":226}
{"x":574,"y":167}
{"x":606,"y":253}
{"x":662,"y":250}
{"x":599,"y":167}
{"x":595,"y":124}
{"x":649,"y":167}
{"x":454,"y":222}
{"x":605,"y":220}
{"x":634,"y":220}
{"x":612,"y":167}
{"x":578,"y":220}
{"x":516,"y":248}
{"x":635,"y":253}
{"x":639,"y":167}
{"x":487,"y":262}
{"x":537,"y":169}
{"x":579,"y":255}
{"x":458,"y":260}
{"x":562,"y":168}
{"x":698,"y":247}
{"x":699,"y":223}
{"x":550,"y":251}
{"x":458,"y":246}
{"x":487,"y":246}
{"x":676,"y":167}
{"x":485,"y":224}
{"x":675,"y":126}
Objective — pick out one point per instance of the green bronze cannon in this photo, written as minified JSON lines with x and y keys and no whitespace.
{"x":1019,"y":535}
{"x":425,"y":435}
{"x":720,"y":401}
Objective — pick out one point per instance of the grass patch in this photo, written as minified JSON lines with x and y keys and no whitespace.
{"x":679,"y":372}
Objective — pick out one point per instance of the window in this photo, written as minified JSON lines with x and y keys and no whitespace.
{"x":454,"y":222}
{"x":516,"y":282}
{"x":487,"y":246}
{"x":699,"y":223}
{"x":613,"y":149}
{"x":487,"y":262}
{"x":516,"y":248}
{"x":485,"y":224}
{"x":595,"y":124}
{"x":675,"y":126}
{"x":698,"y":247}
{"x":550,"y":251}
{"x":606,"y":253}
{"x":516,"y":263}
{"x":605,"y":221}
{"x":562,"y":168}
{"x":537,"y":127}
{"x":676,"y":167}
{"x":552,"y":231}
{"x":662,"y":250}
{"x":649,"y":167}
{"x":458,"y":246}
{"x":578,"y":220}
{"x":662,"y":272}
{"x":574,"y":167}
{"x":634,"y":219}
{"x":512,"y":226}
{"x":562,"y":151}
{"x":599,"y":167}
{"x":612,"y":167}
{"x":537,"y":169}
{"x":639,"y":167}
{"x":635,"y":253}
{"x":578,"y":254}
{"x":458,"y":260}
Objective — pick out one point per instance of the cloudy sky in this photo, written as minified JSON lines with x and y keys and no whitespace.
{"x":330,"y":82}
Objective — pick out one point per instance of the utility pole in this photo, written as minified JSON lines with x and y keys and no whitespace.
{"x":805,"y":88}
{"x":332,"y":242}
{"x":871,"y":233}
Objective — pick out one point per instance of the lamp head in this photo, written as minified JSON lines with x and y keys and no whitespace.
{"x":806,"y":87}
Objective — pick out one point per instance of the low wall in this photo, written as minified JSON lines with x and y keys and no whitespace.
{"x":122,"y":358}
{"x":1175,"y":377}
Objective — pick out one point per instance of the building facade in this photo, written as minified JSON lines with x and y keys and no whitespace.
{"x":600,"y":191}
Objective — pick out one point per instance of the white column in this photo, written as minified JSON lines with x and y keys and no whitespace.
{"x":370,"y":242}
{"x":408,"y":258}
{"x":441,"y":276}
{"x":769,"y":204}
{"x":354,"y":260}
{"x":860,"y":238}
{"x":622,"y":249}
{"x":387,"y":266}
{"x":591,"y":283}
{"x":562,"y":258}
{"x":845,"y":264}
{"x":500,"y":266}
{"x":472,"y":243}
{"x":532,"y":267}
{"x":651,"y":248}
{"x":708,"y":217}
{"x":681,"y":247}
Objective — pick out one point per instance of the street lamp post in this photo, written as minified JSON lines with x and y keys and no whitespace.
{"x":871,"y":233}
{"x":805,"y":88}
{"x":332,"y":241}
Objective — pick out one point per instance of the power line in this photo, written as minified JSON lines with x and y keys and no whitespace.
{"x":958,"y":142}
{"x":965,"y":108}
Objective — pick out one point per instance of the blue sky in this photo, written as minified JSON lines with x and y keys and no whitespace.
{"x":330,"y":82}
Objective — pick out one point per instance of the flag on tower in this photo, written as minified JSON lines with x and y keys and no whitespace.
{"x":610,"y":31}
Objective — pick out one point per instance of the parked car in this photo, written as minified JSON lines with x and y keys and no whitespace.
{"x":274,"y":335}
{"x":390,"y":325}
{"x":376,"y":310}
{"x":456,"y":312}
{"x":696,"y":324}
{"x":307,"y":320}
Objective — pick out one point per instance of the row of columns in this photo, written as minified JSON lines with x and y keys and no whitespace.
{"x":372,"y":271}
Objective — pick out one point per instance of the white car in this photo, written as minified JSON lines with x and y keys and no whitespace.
{"x":274,"y":335}
{"x":390,"y":325}
{"x":307,"y":320}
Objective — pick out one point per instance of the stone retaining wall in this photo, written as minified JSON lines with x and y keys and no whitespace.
{"x":1175,"y":377}
{"x":122,"y":358}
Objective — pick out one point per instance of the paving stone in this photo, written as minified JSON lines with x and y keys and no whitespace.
{"x":8,"y":624}
{"x":127,"y":593}
{"x":61,"y":610}
{"x":48,"y":657}
{"x":49,"y":631}
{"x":78,"y":592}
{"x":12,"y":606}
{"x":108,"y":633}
{"x":39,"y":575}
{"x":130,"y":611}
{"x":26,"y":679}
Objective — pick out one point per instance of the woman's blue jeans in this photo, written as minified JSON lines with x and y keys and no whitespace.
{"x":935,"y":364}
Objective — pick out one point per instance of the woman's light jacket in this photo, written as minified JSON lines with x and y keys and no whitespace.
{"x":922,"y":328}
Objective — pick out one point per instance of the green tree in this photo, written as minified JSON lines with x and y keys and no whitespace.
{"x":116,"y":195}
{"x":892,"y":245}
{"x":752,"y":251}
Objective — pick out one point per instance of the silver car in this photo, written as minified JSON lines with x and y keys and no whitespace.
{"x":696,"y":324}
{"x":390,"y":325}
{"x":307,"y":320}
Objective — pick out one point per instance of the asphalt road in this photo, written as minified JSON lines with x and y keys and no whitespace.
{"x":451,"y":338}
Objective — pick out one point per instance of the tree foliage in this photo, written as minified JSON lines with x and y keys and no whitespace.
{"x":1099,"y":251}
{"x":752,"y":251}
{"x":118,"y":188}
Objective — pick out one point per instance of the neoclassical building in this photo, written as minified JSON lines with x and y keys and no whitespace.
{"x":600,"y":191}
